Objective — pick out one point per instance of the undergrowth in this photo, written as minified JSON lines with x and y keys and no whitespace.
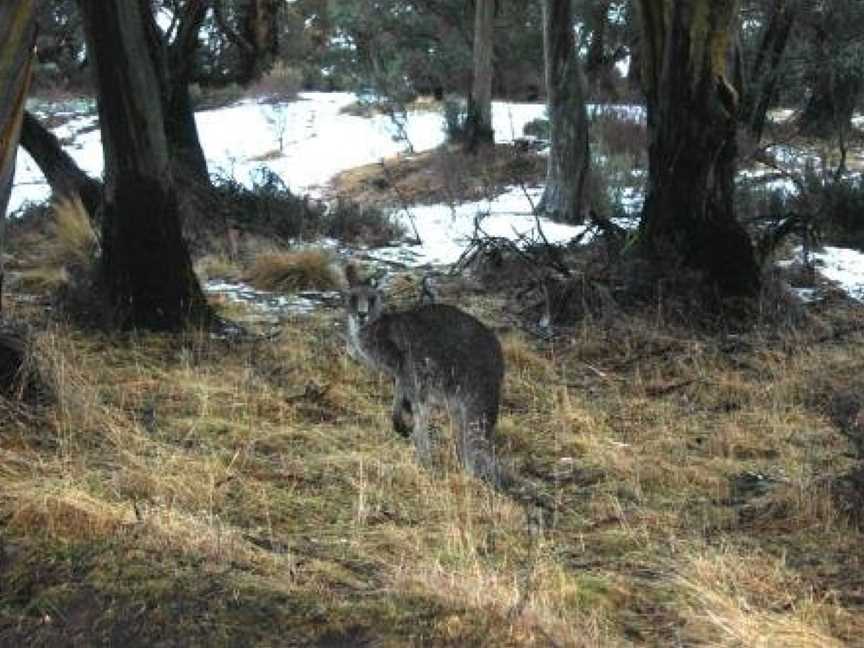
{"x":192,"y":491}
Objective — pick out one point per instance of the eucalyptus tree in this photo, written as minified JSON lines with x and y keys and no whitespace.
{"x":692,"y":95}
{"x":568,"y":162}
{"x":146,"y":268}
{"x":17,"y":37}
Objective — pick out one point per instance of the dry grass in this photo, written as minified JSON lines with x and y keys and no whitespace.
{"x":191,"y":491}
{"x":292,"y":271}
{"x":445,"y":174}
{"x":70,"y":248}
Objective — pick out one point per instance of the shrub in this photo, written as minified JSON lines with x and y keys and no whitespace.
{"x":538,"y":128}
{"x":294,"y":271}
{"x":268,"y":208}
{"x":212,"y":97}
{"x":827,"y":208}
{"x":281,"y":83}
{"x":614,"y":134}
{"x":353,"y":223}
{"x":455,"y":120}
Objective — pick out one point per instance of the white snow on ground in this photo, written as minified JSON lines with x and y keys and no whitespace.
{"x":845,"y":267}
{"x":445,"y":233}
{"x":842,"y":266}
{"x":318,"y":141}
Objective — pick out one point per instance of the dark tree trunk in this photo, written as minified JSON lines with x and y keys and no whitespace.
{"x":478,"y":126}
{"x":763,"y":75}
{"x":567,"y":166}
{"x":174,"y":66}
{"x":832,"y":102}
{"x":599,"y":64}
{"x":63,"y":174}
{"x":146,"y":266}
{"x":689,"y":218}
{"x":261,"y":30}
{"x":17,"y":36}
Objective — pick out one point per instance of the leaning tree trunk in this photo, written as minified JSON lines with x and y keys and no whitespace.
{"x":17,"y":37}
{"x":146,"y":266}
{"x":763,"y":74}
{"x":175,"y":65}
{"x":689,"y":218}
{"x":478,"y":126}
{"x":567,"y":165}
{"x":60,"y":170}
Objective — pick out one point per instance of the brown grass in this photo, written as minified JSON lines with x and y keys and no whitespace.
{"x":293,"y":271}
{"x":195,"y":491}
{"x":445,"y":174}
{"x":70,"y":248}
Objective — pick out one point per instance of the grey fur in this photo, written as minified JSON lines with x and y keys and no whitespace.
{"x":437,"y":355}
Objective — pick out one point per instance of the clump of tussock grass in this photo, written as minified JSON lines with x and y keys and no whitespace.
{"x":71,"y":252}
{"x":294,"y":271}
{"x":75,"y":242}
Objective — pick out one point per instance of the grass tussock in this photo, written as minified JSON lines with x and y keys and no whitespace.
{"x":75,"y":242}
{"x":294,"y":271}
{"x":68,"y":253}
{"x":196,"y":491}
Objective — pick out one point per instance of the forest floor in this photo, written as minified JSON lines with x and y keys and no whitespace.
{"x":703,"y":487}
{"x":200,"y":491}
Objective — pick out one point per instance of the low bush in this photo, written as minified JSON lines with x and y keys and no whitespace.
{"x":281,"y":83}
{"x":353,"y":223}
{"x":268,"y":208}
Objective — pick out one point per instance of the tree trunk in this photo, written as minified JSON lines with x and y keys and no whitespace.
{"x":146,"y":266}
{"x":832,"y":103}
{"x":17,"y":37}
{"x":260,"y":28}
{"x":60,"y":170}
{"x":763,"y":74}
{"x":173,"y":67}
{"x":478,"y":126}
{"x":567,"y":166}
{"x":599,"y":66}
{"x":689,"y":218}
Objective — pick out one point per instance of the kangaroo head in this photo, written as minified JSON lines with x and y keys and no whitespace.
{"x":363,"y":301}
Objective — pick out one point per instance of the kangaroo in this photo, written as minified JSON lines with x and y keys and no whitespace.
{"x":437,"y":355}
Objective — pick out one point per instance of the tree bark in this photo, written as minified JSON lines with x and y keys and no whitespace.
{"x":174,"y":67}
{"x":146,"y":267}
{"x":257,"y":38}
{"x":599,"y":65}
{"x":567,"y":166}
{"x":478,"y":126}
{"x":762,"y":76}
{"x":689,"y":217}
{"x":832,"y":103}
{"x":17,"y":37}
{"x":60,"y":170}
{"x":261,"y":30}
